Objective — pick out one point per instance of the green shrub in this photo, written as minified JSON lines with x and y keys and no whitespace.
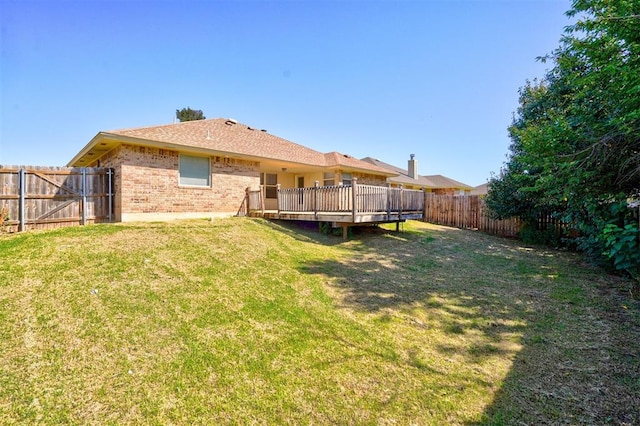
{"x":622,"y":248}
{"x":327,"y":229}
{"x":549,"y":237}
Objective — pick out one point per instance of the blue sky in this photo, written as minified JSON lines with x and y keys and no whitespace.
{"x":384,"y":79}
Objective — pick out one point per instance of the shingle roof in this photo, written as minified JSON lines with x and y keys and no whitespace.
{"x":384,"y":165}
{"x":445,"y":182}
{"x":428,"y":181}
{"x":338,"y":159}
{"x":230,"y":137}
{"x":480,"y":189}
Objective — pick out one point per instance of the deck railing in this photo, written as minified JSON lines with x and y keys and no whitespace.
{"x":351,"y":199}
{"x":315,"y":199}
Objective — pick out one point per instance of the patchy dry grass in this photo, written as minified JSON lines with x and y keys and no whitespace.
{"x":245,"y":321}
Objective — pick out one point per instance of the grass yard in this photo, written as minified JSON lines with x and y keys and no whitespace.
{"x":243,"y":321}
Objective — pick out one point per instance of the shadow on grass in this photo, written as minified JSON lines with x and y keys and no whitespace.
{"x":575,"y":359}
{"x":309,"y":231}
{"x":303,"y":231}
{"x":391,"y":271}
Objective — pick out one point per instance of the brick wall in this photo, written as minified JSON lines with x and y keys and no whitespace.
{"x":147,"y":185}
{"x":370,"y":179}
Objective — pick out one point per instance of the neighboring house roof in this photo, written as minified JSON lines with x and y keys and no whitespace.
{"x":402,"y":176}
{"x":481,"y":189}
{"x":445,"y":182}
{"x":385,"y":165}
{"x":220,"y":136}
{"x":426,"y":181}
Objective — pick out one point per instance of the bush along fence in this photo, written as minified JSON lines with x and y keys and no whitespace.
{"x":51,"y":197}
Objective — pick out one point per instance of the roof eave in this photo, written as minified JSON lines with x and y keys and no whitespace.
{"x":378,"y":172}
{"x":84,"y":151}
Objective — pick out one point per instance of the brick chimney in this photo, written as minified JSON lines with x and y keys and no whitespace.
{"x":413,"y":167}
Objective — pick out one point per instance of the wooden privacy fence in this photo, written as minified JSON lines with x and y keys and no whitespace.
{"x":51,"y":197}
{"x":467,"y":212}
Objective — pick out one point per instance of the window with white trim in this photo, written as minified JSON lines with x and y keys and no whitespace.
{"x":270,"y":182}
{"x":346,"y":179}
{"x":194,"y":171}
{"x":328,"y":179}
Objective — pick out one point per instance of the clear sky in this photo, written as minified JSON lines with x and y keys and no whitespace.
{"x":384,"y":79}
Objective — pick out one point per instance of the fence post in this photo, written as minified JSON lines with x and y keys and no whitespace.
{"x":83,"y":193}
{"x":110,"y":193}
{"x":424,"y":204}
{"x":21,"y":203}
{"x":316,"y":184}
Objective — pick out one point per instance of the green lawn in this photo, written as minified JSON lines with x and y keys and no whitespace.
{"x":242,"y":321}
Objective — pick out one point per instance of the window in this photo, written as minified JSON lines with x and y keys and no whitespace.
{"x":329,"y":179}
{"x":346,"y":178}
{"x":270,"y":182}
{"x":194,"y":171}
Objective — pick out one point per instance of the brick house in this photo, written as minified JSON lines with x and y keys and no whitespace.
{"x":202,"y":168}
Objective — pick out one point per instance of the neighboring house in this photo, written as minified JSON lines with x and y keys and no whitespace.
{"x":481,"y":190}
{"x":202,"y":168}
{"x":410,"y":179}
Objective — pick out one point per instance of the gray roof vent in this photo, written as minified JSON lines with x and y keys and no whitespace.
{"x":230,"y":122}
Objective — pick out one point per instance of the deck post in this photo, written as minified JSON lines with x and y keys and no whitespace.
{"x":278,"y":199}
{"x":262,"y":195}
{"x":388,"y":200}
{"x":246,"y":197}
{"x":354,"y":207}
{"x":401,"y":201}
{"x":316,"y":184}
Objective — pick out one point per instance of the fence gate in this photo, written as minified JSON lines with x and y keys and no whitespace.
{"x":50,"y":197}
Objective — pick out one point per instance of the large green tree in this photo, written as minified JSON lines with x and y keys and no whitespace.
{"x":188,"y":114}
{"x":575,"y":138}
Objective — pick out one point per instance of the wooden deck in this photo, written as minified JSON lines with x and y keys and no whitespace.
{"x":340,"y":205}
{"x":355,"y":205}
